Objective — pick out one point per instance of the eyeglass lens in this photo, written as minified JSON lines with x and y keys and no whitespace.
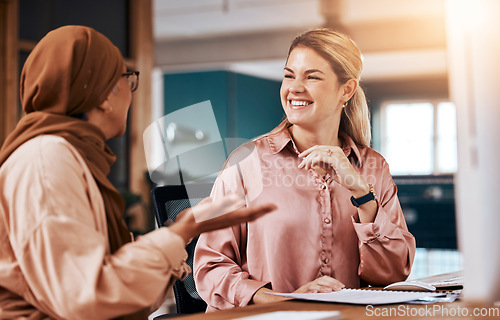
{"x":132,"y":79}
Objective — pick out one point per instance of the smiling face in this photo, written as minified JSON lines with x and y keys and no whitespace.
{"x":310,"y":92}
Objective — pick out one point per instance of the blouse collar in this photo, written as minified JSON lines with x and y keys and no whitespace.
{"x":279,"y":139}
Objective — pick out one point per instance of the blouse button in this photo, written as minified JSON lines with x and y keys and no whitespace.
{"x":327,"y":221}
{"x":325,"y":261}
{"x":323,"y":187}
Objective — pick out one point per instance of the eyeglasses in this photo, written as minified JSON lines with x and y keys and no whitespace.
{"x":132,"y":79}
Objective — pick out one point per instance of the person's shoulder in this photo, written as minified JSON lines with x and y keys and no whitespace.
{"x":250,"y":151}
{"x":44,"y":164}
{"x":370,"y":152}
{"x":273,"y":141}
{"x":241,"y":152}
{"x":371,"y":156}
{"x":49,"y":151}
{"x":51,"y":146}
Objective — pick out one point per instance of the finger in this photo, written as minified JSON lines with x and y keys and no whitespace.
{"x":311,"y":288}
{"x":236,"y":217}
{"x":325,"y":289}
{"x":318,"y":160}
{"x":314,"y":159}
{"x":305,"y":164}
{"x":252,"y":213}
{"x":330,"y":282}
{"x":321,"y":148}
{"x":338,"y":288}
{"x":302,"y":163}
{"x":316,"y":288}
{"x":210,"y":210}
{"x":327,"y":280}
{"x":311,"y":149}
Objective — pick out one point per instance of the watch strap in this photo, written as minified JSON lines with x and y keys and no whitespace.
{"x":364,"y":199}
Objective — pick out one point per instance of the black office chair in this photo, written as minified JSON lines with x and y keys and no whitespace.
{"x":168,"y":201}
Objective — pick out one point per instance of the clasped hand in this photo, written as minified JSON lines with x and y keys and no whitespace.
{"x":333,"y":160}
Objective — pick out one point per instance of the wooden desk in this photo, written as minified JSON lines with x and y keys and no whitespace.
{"x":455,"y":310}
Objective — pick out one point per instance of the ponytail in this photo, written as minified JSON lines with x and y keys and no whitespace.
{"x":355,"y":119}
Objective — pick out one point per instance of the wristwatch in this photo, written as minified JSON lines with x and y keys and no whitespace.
{"x":364,"y":199}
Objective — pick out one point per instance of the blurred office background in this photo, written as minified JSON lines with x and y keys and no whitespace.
{"x":232,"y":52}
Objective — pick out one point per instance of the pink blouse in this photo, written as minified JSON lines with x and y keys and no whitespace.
{"x":314,"y":232}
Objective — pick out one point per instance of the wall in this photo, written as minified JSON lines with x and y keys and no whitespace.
{"x":244,"y":106}
{"x":37,"y":18}
{"x":128,"y":23}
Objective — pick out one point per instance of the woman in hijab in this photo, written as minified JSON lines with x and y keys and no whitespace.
{"x":65,"y":252}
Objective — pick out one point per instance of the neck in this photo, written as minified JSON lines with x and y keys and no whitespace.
{"x":306,"y":138}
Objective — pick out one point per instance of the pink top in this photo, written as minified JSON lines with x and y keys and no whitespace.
{"x":313,"y":233}
{"x":54,"y":255}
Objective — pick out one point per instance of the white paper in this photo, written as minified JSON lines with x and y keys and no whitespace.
{"x":296,"y":315}
{"x":363,"y":297}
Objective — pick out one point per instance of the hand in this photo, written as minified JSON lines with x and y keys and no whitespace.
{"x":334,"y":161}
{"x":209,"y":216}
{"x":322,"y":285}
{"x":262,"y":297}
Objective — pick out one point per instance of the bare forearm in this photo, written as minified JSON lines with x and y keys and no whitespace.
{"x":187,"y":227}
{"x":184,"y":231}
{"x":368,"y":211}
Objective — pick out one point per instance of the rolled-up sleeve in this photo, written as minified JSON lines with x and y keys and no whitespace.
{"x":220,"y":269}
{"x":386,"y":247}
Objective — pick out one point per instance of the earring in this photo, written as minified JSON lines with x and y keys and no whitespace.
{"x":345,"y":104}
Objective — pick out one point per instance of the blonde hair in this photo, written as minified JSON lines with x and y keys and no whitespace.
{"x":345,"y":59}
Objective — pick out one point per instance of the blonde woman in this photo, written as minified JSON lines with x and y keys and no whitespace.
{"x":339,"y":222}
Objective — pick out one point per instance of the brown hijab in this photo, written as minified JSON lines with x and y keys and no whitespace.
{"x":71,"y":71}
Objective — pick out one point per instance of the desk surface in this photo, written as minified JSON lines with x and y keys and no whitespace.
{"x":455,"y":310}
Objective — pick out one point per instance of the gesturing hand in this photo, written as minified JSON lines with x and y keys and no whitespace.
{"x":323,"y":284}
{"x":209,"y":216}
{"x":334,"y":161}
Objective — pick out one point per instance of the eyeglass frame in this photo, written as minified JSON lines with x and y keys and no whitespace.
{"x":128,"y":74}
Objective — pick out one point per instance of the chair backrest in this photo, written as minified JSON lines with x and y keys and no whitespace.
{"x":168,"y":201}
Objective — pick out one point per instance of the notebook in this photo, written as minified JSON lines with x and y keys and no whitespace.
{"x":296,"y":315}
{"x":363,"y":296}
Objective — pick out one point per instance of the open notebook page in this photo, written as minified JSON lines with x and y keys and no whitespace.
{"x":363,"y":297}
